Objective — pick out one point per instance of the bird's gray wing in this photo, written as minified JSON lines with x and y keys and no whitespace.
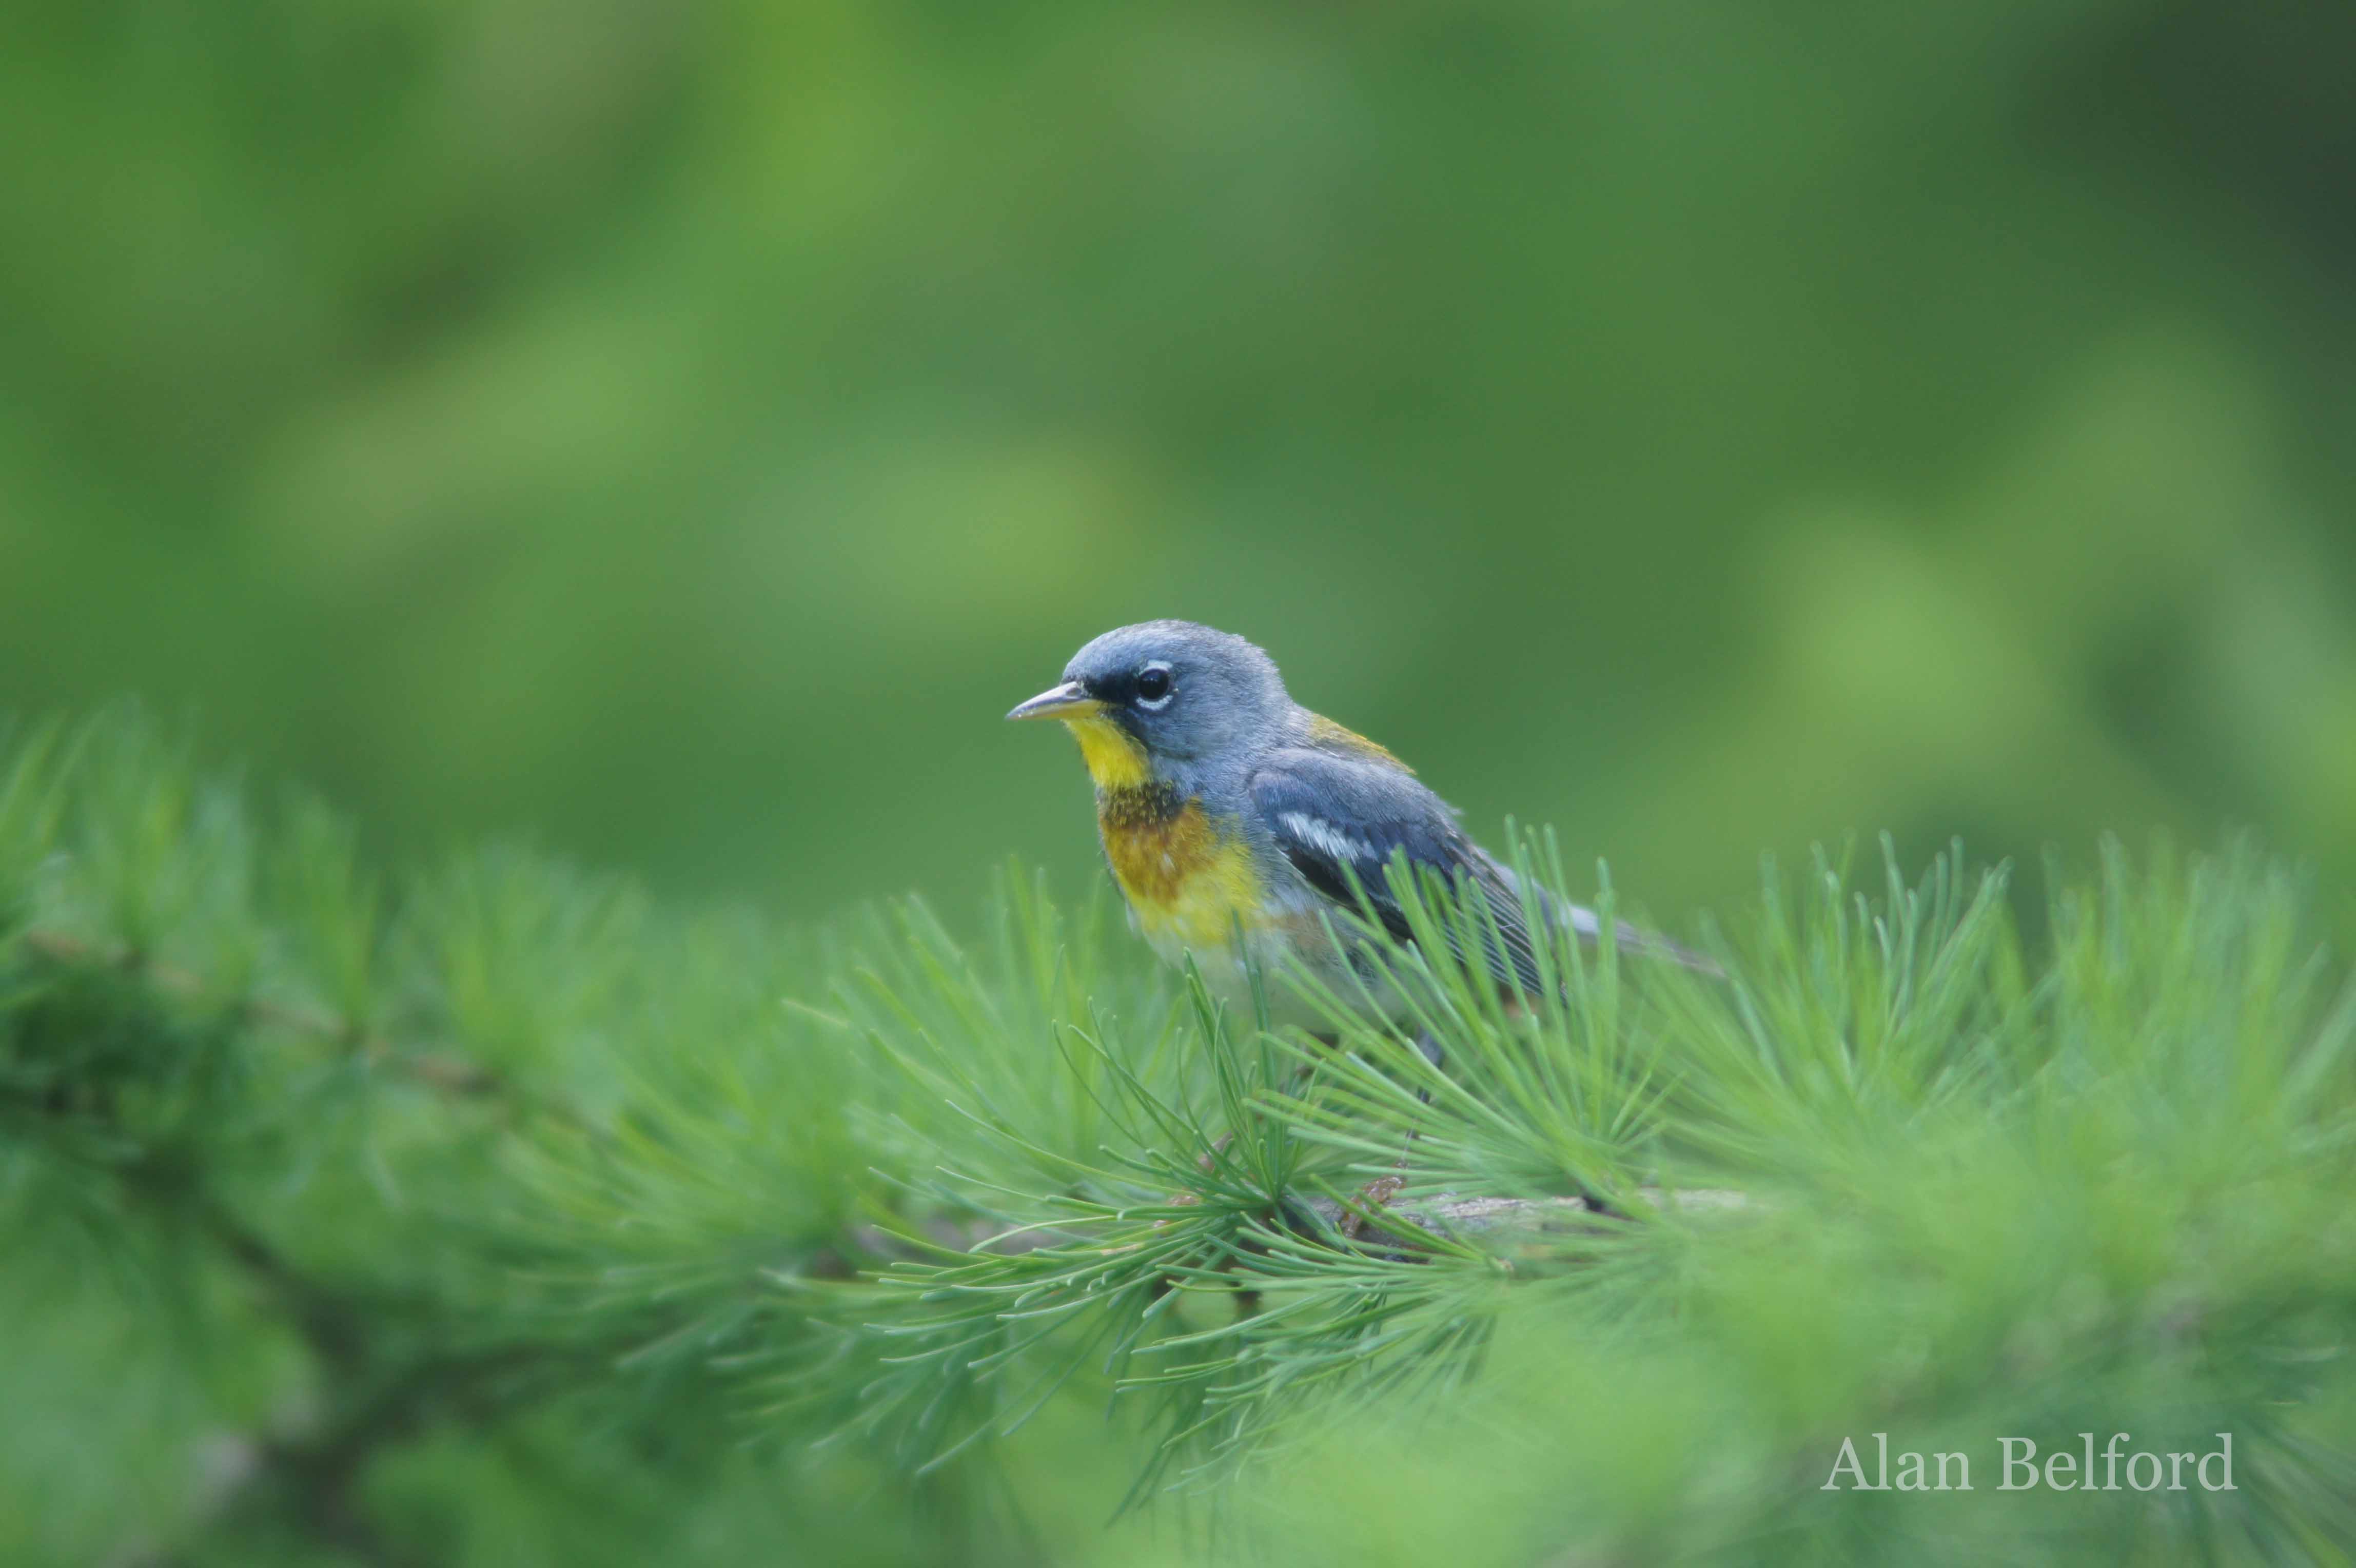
{"x":1339,"y":819}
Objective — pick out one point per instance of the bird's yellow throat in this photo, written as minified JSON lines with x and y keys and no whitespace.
{"x":1115,"y":759}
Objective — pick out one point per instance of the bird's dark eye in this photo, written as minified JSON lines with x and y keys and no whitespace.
{"x":1154,"y":684}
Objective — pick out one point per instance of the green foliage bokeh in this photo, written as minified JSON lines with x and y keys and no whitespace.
{"x":680,"y":431}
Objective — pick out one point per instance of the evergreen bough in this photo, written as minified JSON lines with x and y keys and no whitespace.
{"x":495,"y":1213}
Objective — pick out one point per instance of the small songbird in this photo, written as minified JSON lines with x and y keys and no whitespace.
{"x":1229,"y":811}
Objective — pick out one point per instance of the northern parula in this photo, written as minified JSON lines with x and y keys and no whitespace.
{"x":1226,"y":809}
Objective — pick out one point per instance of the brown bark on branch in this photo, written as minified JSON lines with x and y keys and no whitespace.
{"x":1445,"y":1214}
{"x":1448,"y":1214}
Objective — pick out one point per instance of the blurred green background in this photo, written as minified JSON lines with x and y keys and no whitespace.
{"x":676,"y":433}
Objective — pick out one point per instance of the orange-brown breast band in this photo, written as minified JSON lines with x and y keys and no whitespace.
{"x":1154,"y":841}
{"x":1189,"y":882}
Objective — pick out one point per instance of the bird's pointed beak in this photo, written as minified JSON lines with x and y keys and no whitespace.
{"x":1068,"y":701}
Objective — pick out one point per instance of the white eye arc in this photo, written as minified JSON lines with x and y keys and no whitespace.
{"x":1154,"y":688}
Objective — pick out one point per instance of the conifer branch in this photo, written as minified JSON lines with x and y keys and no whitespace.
{"x":2098,"y":1187}
{"x":1443,"y":1214}
{"x":1497,"y":1218}
{"x":437,"y":1070}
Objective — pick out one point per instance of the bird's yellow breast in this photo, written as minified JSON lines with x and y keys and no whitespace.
{"x":1189,"y":880}
{"x":1189,"y":883}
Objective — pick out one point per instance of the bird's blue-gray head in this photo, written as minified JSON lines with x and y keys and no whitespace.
{"x":1164,"y":691}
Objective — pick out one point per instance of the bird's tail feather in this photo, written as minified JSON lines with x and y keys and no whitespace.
{"x":1634,"y":939}
{"x":1630,"y":939}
